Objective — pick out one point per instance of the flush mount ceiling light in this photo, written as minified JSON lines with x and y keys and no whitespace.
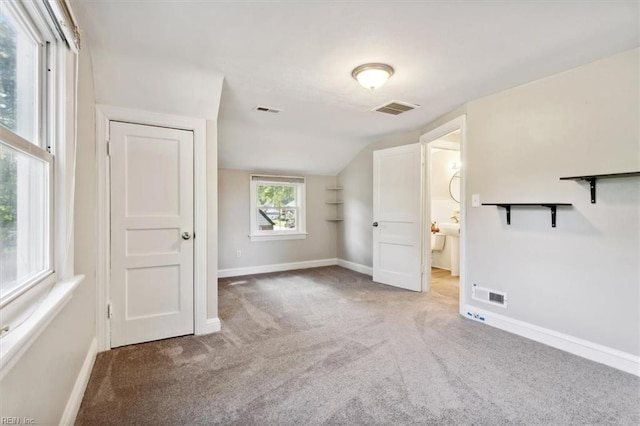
{"x":372,"y":76}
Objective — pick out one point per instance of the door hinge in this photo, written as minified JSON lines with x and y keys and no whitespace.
{"x":108,"y":149}
{"x":109,"y":310}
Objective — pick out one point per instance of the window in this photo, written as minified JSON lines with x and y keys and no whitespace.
{"x":277,"y":208}
{"x":26,"y":165}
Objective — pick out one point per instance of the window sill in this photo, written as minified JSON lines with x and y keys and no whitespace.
{"x":15,"y":344}
{"x":275,"y":237}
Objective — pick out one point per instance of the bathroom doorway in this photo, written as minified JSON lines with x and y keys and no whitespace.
{"x":444,"y":211}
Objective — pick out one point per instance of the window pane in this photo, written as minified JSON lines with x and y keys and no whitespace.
{"x":23,"y":218}
{"x":18,"y":77}
{"x":277,"y":208}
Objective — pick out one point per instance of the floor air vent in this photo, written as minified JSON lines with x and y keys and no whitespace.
{"x":396,"y":107}
{"x":267,"y":109}
{"x":489,"y":296}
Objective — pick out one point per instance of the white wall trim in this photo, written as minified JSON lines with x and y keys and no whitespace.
{"x":592,"y":351}
{"x":15,"y":344}
{"x":104,"y":114}
{"x":278,"y":267}
{"x":256,"y":238}
{"x":75,"y":399}
{"x":212,"y":326}
{"x":363,"y":269}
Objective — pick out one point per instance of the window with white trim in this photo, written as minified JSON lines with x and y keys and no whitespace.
{"x":277,"y":208}
{"x":26,"y":165}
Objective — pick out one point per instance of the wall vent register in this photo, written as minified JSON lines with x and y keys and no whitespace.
{"x":489,"y":296}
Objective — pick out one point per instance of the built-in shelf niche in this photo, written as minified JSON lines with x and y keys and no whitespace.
{"x":335,"y":203}
{"x":593,"y":178}
{"x":552,"y":206}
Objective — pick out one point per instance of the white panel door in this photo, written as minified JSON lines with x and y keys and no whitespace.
{"x":397,"y":189}
{"x":151,"y":285}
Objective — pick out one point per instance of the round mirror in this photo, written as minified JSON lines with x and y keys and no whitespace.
{"x":454,"y":187}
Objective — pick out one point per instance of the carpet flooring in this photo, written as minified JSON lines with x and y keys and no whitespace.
{"x":327,"y":346}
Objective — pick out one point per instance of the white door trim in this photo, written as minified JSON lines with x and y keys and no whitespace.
{"x":425,"y":139}
{"x":104,"y":114}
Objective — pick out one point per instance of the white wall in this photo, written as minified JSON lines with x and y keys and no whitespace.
{"x":442,"y":205}
{"x":165,"y":86}
{"x":581,"y":278}
{"x":233,"y":210}
{"x":39,"y":385}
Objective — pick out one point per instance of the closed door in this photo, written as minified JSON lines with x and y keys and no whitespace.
{"x":397,"y":183}
{"x":151,"y":285}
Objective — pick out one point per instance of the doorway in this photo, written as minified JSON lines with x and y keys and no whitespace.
{"x":444,"y":210}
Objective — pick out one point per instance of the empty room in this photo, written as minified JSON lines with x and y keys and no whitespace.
{"x":319,"y":212}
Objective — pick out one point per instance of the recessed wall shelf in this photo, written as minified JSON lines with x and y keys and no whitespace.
{"x":507,"y":207}
{"x":592,"y":180}
{"x":335,"y":205}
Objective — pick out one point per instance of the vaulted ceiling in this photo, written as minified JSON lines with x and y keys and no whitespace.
{"x":298,"y":57}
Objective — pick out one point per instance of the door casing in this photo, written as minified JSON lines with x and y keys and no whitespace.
{"x":205,"y":259}
{"x":458,"y":123}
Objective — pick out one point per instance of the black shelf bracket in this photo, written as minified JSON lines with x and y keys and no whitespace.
{"x":592,"y":180}
{"x":592,"y":186}
{"x":553,"y":213}
{"x":507,"y":208}
{"x":552,"y":206}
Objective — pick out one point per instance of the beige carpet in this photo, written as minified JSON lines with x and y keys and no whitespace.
{"x":329,"y":346}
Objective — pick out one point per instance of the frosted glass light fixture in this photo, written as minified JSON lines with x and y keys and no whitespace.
{"x":372,"y":76}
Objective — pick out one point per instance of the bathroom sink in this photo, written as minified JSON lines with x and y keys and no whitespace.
{"x":451,"y":229}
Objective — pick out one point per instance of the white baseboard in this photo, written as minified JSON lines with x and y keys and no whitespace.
{"x":368,"y":270}
{"x":263,"y":269}
{"x":75,"y":399}
{"x":595,"y":352}
{"x":212,"y":325}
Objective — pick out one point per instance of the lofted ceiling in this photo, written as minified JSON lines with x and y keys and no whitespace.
{"x":298,"y":57}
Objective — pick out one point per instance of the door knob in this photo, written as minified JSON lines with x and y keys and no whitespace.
{"x":186,"y":235}
{"x":375,"y":224}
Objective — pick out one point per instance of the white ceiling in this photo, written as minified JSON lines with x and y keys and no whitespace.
{"x":298,"y":57}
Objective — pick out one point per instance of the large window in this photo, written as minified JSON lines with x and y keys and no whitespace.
{"x":26,"y":165}
{"x":277,"y":207}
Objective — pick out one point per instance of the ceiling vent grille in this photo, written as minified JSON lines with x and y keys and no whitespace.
{"x":396,"y":107}
{"x":267,"y":109}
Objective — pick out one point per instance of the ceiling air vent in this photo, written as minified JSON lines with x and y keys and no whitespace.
{"x":396,"y":107}
{"x":267,"y":109}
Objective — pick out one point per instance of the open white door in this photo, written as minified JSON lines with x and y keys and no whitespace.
{"x":151,"y":285}
{"x":397,"y":188}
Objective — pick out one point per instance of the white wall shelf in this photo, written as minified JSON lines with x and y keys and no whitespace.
{"x":334,"y":202}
